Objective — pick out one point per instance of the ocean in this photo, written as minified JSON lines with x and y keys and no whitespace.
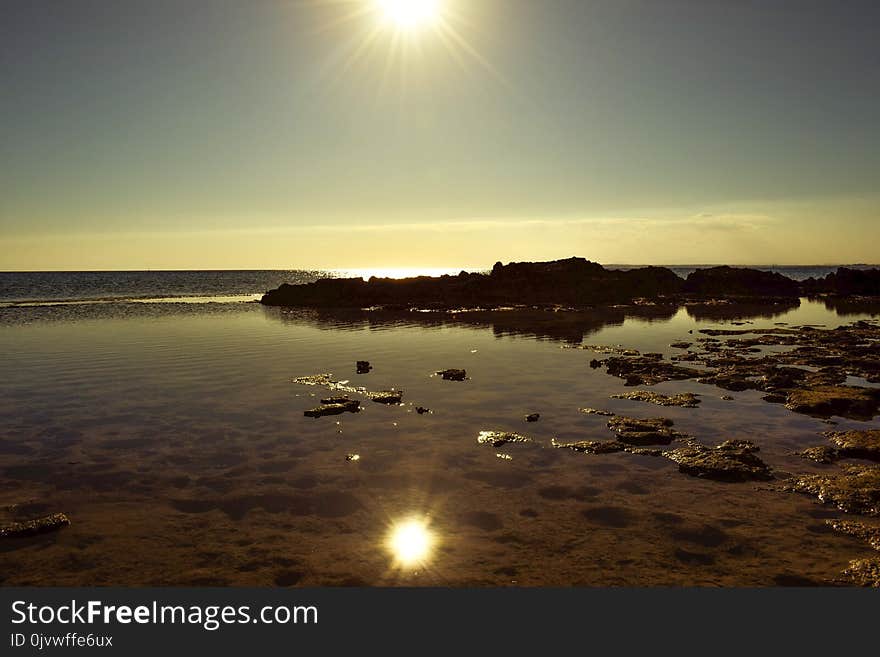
{"x":172,"y":434}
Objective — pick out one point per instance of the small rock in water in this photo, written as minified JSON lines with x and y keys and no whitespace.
{"x":334,"y":408}
{"x":649,"y":431}
{"x":595,"y":411}
{"x":35,"y":526}
{"x":499,"y":438}
{"x":504,"y":457}
{"x":387,"y":396}
{"x":452,"y":375}
{"x":820,"y":454}
{"x":352,"y":457}
{"x":533,"y":417}
{"x":363,"y":367}
{"x":726,"y":398}
{"x":421,"y":410}
{"x":595,"y":363}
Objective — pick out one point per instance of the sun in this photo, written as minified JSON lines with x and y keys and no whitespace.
{"x":409,"y":14}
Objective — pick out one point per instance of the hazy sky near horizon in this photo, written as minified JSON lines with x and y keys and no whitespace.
{"x":311,"y":133}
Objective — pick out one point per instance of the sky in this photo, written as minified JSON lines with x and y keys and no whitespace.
{"x":195,"y":134}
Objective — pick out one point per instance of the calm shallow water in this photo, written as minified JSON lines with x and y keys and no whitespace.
{"x":172,"y":436}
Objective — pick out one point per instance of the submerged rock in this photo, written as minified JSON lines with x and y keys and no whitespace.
{"x":533,"y":417}
{"x":337,"y":400}
{"x":650,"y":431}
{"x":684,"y":399}
{"x":363,"y":367}
{"x":845,"y":401}
{"x":499,"y":438}
{"x":421,"y":410}
{"x":334,"y":408}
{"x":34,"y":526}
{"x":732,"y":461}
{"x":647,"y":370}
{"x":854,"y":490}
{"x":452,"y":375}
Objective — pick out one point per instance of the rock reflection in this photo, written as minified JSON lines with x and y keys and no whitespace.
{"x":557,"y":324}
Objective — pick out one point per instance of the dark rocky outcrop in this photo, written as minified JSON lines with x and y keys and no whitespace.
{"x":574,"y":281}
{"x":739,"y":282}
{"x":846,"y":282}
{"x":578,"y":283}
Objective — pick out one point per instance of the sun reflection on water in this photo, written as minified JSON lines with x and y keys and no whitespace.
{"x":410,"y":542}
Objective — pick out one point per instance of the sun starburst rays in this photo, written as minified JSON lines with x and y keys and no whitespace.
{"x":396,"y":36}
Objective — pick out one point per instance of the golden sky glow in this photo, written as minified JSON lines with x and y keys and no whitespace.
{"x":435,"y":134}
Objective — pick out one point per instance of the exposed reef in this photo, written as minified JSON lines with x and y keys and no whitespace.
{"x":856,"y":489}
{"x":684,"y":399}
{"x":732,"y":460}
